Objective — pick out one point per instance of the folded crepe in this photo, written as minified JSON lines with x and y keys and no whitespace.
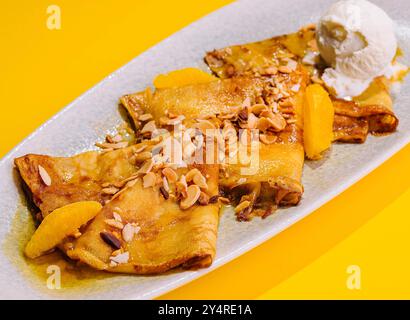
{"x":372,"y":112}
{"x":167,"y":236}
{"x":279,"y":164}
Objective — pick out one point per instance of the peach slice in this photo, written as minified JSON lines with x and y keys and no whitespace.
{"x":183,"y":77}
{"x":318,"y":121}
{"x":60,"y":224}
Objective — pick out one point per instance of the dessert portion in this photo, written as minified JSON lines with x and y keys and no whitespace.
{"x":149,"y":201}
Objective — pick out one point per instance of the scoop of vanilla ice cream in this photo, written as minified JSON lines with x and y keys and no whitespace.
{"x":357,"y":40}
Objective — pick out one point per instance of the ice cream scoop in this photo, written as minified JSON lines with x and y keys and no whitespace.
{"x":357,"y":41}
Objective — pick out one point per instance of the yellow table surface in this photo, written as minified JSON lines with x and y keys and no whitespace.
{"x":367,"y":226}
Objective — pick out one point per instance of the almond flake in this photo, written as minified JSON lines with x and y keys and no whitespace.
{"x":116,"y":216}
{"x":193,"y":193}
{"x":121,"y":258}
{"x":114,"y":223}
{"x":45,"y":177}
{"x":149,"y":180}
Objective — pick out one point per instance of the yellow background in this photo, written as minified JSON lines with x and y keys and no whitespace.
{"x":368,"y":225}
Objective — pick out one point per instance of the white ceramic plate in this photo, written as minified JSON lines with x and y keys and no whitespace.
{"x":91,"y":116}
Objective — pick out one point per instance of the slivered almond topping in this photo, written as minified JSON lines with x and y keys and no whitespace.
{"x":271,"y":70}
{"x":165,"y":184}
{"x":200,"y":180}
{"x":189,"y":150}
{"x":130,"y":183}
{"x":116,"y":216}
{"x":190,"y":174}
{"x":129,"y":231}
{"x":110,"y":190}
{"x":193,"y":193}
{"x":286,"y":103}
{"x":291,"y":121}
{"x":146,"y":167}
{"x":77,"y":234}
{"x":246,"y":102}
{"x":242,"y":181}
{"x":267,"y":139}
{"x":168,"y":121}
{"x":278,"y":122}
{"x":45,"y":177}
{"x":181,"y":186}
{"x":145,"y":117}
{"x":149,"y":180}
{"x":114,"y":223}
{"x":120,"y":258}
{"x":149,"y":127}
{"x":171,"y":175}
{"x":285,"y":69}
{"x":224,"y":200}
{"x":258,"y":108}
{"x":242,"y":206}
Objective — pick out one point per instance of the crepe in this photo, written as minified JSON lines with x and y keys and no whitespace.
{"x":372,"y":112}
{"x":168,"y":237}
{"x":76,"y":178}
{"x":279,"y":166}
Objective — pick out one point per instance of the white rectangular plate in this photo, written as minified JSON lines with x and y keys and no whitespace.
{"x":91,"y":116}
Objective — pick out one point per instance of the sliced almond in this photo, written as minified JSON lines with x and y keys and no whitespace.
{"x":129,"y":231}
{"x":149,"y":127}
{"x":171,"y":175}
{"x":146,"y":167}
{"x":149,"y":180}
{"x":191,"y":173}
{"x":278,"y":122}
{"x":165,"y":184}
{"x":145,"y":117}
{"x":121,"y":258}
{"x":45,"y":177}
{"x":258,"y":108}
{"x":285,"y":69}
{"x":193,"y":193}
{"x":114,"y":223}
{"x":242,"y":206}
{"x":182,"y":186}
{"x":200,"y":180}
{"x":116,"y":216}
{"x":110,"y":190}
{"x":246,"y":102}
{"x":270,"y":70}
{"x":267,"y":138}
